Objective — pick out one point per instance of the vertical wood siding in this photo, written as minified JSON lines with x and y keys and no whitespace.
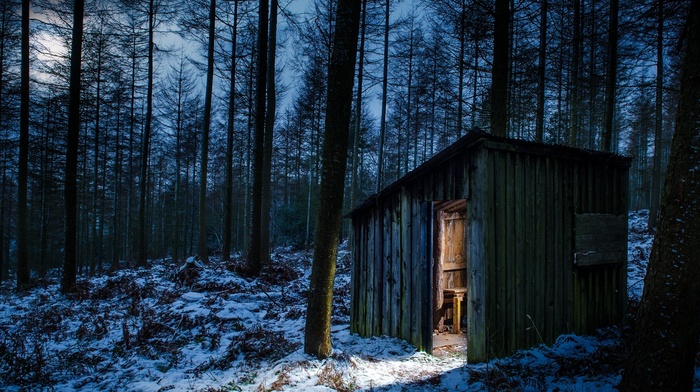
{"x":523,"y":287}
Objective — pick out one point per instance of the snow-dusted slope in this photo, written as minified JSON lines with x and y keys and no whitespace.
{"x":204,"y":328}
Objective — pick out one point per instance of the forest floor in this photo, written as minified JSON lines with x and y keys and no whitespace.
{"x":205,"y":328}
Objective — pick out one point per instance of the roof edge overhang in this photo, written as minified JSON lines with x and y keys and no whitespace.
{"x":477,"y":138}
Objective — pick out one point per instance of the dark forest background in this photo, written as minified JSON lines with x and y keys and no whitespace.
{"x":426,"y":79}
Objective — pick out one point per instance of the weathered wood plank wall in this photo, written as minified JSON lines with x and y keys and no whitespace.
{"x":523,"y":287}
{"x":537,"y":292}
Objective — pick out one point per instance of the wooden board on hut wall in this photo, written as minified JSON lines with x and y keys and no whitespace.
{"x":600,"y":239}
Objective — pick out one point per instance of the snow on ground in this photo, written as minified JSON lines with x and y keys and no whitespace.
{"x":204,"y":328}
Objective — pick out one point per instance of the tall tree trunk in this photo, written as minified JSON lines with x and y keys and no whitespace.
{"x":591,"y":82}
{"x":460,"y":67}
{"x":128,"y":253}
{"x":269,"y":129}
{"x":611,"y":77}
{"x":177,"y":223}
{"x":358,"y":113}
{"x":96,"y":152}
{"x":409,"y":96}
{"x":665,"y":337}
{"x":71,"y":185}
{"x":145,"y":148}
{"x":188,"y":211}
{"x":228,"y":203}
{"x":254,"y":255}
{"x":103,"y":202}
{"x":43,"y":218}
{"x":202,"y":243}
{"x":499,"y":74}
{"x":560,"y":94}
{"x":541,"y":68}
{"x":658,"y":123}
{"x":575,"y":77}
{"x":116,"y":229}
{"x":3,"y":260}
{"x":475,"y":84}
{"x":22,"y":231}
{"x":385,"y":81}
{"x":247,"y":223}
{"x":317,"y":340}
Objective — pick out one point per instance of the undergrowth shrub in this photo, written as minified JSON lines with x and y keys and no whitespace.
{"x":223,"y":289}
{"x":604,"y":360}
{"x":494,"y":377}
{"x":187,"y":276}
{"x":257,"y":344}
{"x":334,"y":378}
{"x":122,"y":287}
{"x":22,"y":365}
{"x":92,"y":328}
{"x":278,"y":273}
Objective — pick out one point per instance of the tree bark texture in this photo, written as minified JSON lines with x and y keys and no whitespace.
{"x":665,"y":338}
{"x":22,"y":232}
{"x":611,"y":78}
{"x":460,"y":67}
{"x":499,"y":74}
{"x":576,"y":55}
{"x":228,"y":204}
{"x":145,"y":143}
{"x":266,"y":207}
{"x":254,"y":264}
{"x":385,"y":79}
{"x":358,"y":115}
{"x":202,"y":243}
{"x":541,"y":68}
{"x":71,"y":185}
{"x":658,"y":122}
{"x":341,"y":73}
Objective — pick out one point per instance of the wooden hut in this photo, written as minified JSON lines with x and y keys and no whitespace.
{"x":523,"y":241}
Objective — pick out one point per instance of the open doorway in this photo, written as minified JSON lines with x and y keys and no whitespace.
{"x":449,"y":275}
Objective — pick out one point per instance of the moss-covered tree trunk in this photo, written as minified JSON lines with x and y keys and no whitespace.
{"x":317,"y":338}
{"x":665,"y":339}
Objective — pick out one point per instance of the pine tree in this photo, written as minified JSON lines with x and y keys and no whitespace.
{"x":145,"y":141}
{"x":71,"y":186}
{"x":499,"y":74}
{"x":202,"y":243}
{"x":22,"y":232}
{"x":255,"y":253}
